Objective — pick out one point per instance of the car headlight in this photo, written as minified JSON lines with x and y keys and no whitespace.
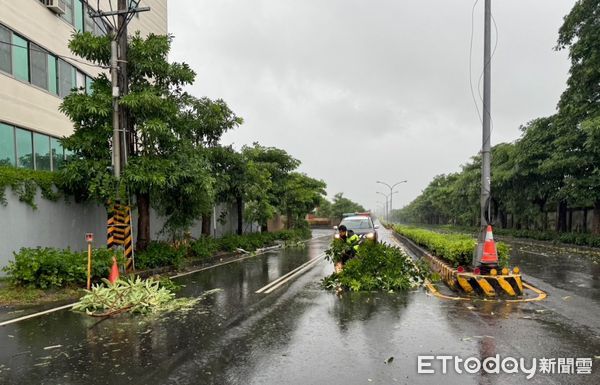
{"x":371,"y":235}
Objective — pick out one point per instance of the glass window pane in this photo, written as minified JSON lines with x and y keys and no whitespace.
{"x":20,"y":58}
{"x":5,"y":50}
{"x":88,"y":85}
{"x":68,"y":15}
{"x":24,"y":148}
{"x":78,"y":10}
{"x":58,"y":153}
{"x":41,"y":144}
{"x":52,"y":78}
{"x":7,"y":145}
{"x":88,"y":22}
{"x":65,"y":78}
{"x":39,"y":66}
{"x":69,"y":154}
{"x":80,"y":80}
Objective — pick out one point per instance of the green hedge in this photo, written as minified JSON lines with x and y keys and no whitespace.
{"x":455,"y":248}
{"x":52,"y":268}
{"x":49,"y":267}
{"x":160,"y":254}
{"x":580,"y":239}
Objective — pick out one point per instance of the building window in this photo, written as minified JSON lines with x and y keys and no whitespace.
{"x":58,"y":153}
{"x":52,"y":75}
{"x":41,"y":144}
{"x":69,"y":9}
{"x":24,"y":148}
{"x":78,"y":19}
{"x":5,"y":50}
{"x":88,"y":85}
{"x":80,"y":81}
{"x":20,"y":58}
{"x":7,"y":145}
{"x":38,"y":59}
{"x":65,"y":78}
{"x":29,"y":62}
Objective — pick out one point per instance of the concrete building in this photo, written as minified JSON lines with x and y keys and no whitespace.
{"x":37,"y":70}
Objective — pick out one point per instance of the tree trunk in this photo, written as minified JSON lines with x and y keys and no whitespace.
{"x":288,"y":222}
{"x":143,"y":226}
{"x":570,"y":220}
{"x":264,"y":228}
{"x":503,"y":219}
{"x":206,"y":225}
{"x":240,"y":218}
{"x":585,"y":217}
{"x":561,"y":213}
{"x":596,"y":218}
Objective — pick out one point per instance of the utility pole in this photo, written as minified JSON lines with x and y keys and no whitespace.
{"x":123,"y":79}
{"x":114,"y":74}
{"x":485,"y":202}
{"x":118,"y":71}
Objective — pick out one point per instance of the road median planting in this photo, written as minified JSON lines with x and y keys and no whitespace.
{"x":456,"y":249}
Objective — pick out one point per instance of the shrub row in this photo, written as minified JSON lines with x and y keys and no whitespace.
{"x":159,"y":254}
{"x":455,"y":248}
{"x":580,"y":239}
{"x":48,"y":267}
{"x":52,"y":268}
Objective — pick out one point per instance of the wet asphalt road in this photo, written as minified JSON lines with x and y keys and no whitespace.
{"x":300,"y":334}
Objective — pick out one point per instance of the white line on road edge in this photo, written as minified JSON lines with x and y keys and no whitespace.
{"x":37,"y":314}
{"x":4,"y":323}
{"x":284,"y":278}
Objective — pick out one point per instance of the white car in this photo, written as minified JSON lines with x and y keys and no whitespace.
{"x":360,"y":225}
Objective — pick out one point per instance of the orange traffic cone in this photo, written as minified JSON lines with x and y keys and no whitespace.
{"x":114,"y":272}
{"x":490,"y":255}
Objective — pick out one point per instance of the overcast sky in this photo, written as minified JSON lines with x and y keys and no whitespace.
{"x":366,"y":90}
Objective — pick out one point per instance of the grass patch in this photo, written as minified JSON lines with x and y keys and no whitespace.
{"x":23,"y":296}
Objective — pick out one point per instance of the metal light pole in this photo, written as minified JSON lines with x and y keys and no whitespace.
{"x":386,"y":204}
{"x":486,"y":142}
{"x":391,"y":189}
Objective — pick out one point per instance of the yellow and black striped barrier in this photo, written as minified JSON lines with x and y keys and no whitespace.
{"x":502,"y":284}
{"x":491,"y":285}
{"x":119,"y":232}
{"x":508,"y":283}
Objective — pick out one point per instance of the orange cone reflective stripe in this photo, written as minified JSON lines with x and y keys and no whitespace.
{"x":490,"y":255}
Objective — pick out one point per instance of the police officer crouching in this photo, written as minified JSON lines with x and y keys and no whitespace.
{"x":350,"y":239}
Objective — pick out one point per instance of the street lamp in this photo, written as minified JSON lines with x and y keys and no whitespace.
{"x":387,"y":197}
{"x":391,"y":189}
{"x":385,"y":206}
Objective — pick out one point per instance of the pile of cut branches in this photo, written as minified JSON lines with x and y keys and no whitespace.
{"x":376,"y":267}
{"x":133,"y":295}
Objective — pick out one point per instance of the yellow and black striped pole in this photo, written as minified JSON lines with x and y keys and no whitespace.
{"x":119,"y":232}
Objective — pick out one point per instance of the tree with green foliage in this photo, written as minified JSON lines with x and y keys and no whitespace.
{"x":169,"y":129}
{"x":301,"y":194}
{"x":579,"y":106}
{"x":342,"y":205}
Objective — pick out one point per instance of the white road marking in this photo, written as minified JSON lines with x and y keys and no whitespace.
{"x":26,"y":317}
{"x":286,"y":277}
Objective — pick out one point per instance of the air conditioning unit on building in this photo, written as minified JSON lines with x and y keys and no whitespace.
{"x":56,"y":6}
